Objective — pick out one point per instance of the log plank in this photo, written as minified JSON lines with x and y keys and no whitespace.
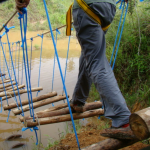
{"x":88,"y":106}
{"x":62,"y":118}
{"x":1,"y":87}
{"x":39,"y":104}
{"x":21,"y":91}
{"x":6,"y":81}
{"x":25,"y":102}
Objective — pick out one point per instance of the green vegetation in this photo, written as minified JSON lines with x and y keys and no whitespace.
{"x":36,"y":13}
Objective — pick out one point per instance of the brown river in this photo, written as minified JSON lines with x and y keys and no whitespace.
{"x":52,"y":131}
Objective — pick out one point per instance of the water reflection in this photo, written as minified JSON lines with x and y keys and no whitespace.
{"x":53,"y":130}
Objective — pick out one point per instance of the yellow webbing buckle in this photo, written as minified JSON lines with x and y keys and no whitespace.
{"x":88,"y":11}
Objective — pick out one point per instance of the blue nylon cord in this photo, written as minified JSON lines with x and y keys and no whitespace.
{"x":15,"y":55}
{"x":4,"y":60}
{"x":40,"y":61}
{"x":117,"y":35}
{"x":57,"y":31}
{"x":8,"y":115}
{"x":61,"y":72}
{"x":120,"y":37}
{"x":24,"y":10}
{"x":20,"y":17}
{"x":1,"y":105}
{"x":18,"y":61}
{"x":12,"y":59}
{"x":22,"y":71}
{"x":28,"y":71}
{"x":34,"y":128}
{"x":31,"y":56}
{"x":14,"y":71}
{"x":66,"y":61}
{"x":8,"y":73}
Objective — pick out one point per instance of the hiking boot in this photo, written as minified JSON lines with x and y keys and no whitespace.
{"x":123,"y":132}
{"x":77,"y":107}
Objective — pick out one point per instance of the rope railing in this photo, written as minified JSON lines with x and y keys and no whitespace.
{"x":8,"y":21}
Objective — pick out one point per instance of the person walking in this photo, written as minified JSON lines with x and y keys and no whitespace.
{"x":93,"y":64}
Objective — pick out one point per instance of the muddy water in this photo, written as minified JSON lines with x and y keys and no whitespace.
{"x":47,"y":131}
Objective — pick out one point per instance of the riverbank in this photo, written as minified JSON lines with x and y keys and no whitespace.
{"x":89,"y":135}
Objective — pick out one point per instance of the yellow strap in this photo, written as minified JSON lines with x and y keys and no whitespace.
{"x":87,"y":10}
{"x":91,"y":13}
{"x":69,"y":21}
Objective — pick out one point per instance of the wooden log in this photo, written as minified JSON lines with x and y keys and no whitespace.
{"x":15,"y":88}
{"x":25,"y":102}
{"x":39,"y":104}
{"x":20,"y":91}
{"x":88,"y":106}
{"x":8,"y":88}
{"x":5,"y":81}
{"x":110,"y":144}
{"x":63,"y":118}
{"x":60,"y":106}
{"x":1,"y":87}
{"x":140,"y":123}
{"x":121,"y":133}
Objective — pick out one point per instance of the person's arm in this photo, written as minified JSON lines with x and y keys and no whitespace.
{"x":21,"y":4}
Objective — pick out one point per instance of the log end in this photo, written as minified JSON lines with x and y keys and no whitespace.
{"x":139,"y":127}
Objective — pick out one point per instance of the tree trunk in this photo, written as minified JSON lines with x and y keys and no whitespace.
{"x":110,"y":144}
{"x":39,"y":104}
{"x":25,"y":102}
{"x":50,"y":120}
{"x":140,"y":123}
{"x":5,"y":81}
{"x":20,"y":92}
{"x":1,"y":87}
{"x":88,"y":106}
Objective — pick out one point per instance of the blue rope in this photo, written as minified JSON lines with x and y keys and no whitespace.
{"x":57,"y":32}
{"x":120,"y":36}
{"x":7,"y":30}
{"x":22,"y":70}
{"x":16,"y":54}
{"x":18,"y":60}
{"x":28,"y":71}
{"x":31,"y":56}
{"x":35,"y":129}
{"x":4,"y":60}
{"x":23,"y":40}
{"x":117,"y":35}
{"x":1,"y":105}
{"x":8,"y":115}
{"x":66,"y":61}
{"x":49,"y":23}
{"x":40,"y":62}
{"x":8,"y":72}
{"x":12,"y":59}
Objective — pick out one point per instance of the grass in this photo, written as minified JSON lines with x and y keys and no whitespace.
{"x":36,"y":14}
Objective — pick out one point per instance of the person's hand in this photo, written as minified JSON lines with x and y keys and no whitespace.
{"x":21,"y":4}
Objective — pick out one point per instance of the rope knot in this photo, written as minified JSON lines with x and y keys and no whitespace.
{"x":41,"y":35}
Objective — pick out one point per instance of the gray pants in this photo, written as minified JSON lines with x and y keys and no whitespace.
{"x":94,"y":66}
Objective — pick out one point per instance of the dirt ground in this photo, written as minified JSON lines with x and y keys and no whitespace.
{"x":89,"y":135}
